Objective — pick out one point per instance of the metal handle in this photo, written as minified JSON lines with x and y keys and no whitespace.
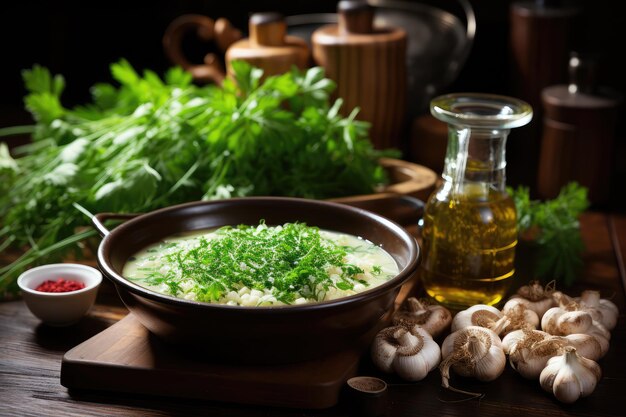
{"x":99,"y":219}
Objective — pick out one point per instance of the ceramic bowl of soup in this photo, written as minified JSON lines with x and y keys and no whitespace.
{"x":149,"y":258}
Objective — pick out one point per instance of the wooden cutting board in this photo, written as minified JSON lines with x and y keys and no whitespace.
{"x":127,"y":358}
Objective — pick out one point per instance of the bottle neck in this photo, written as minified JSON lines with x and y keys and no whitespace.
{"x":475,"y":162}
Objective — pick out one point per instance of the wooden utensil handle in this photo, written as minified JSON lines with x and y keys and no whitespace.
{"x":220,"y":31}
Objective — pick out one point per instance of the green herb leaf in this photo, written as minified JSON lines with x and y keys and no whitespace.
{"x":555,"y":228}
{"x":148,"y":143}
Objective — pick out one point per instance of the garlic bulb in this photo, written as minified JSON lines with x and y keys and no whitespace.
{"x":435,"y":319}
{"x":525,"y":337}
{"x":519,"y":315}
{"x":601,"y":334}
{"x":410,"y":353}
{"x":601,"y":310}
{"x":570,"y":376}
{"x":588,"y":346}
{"x":472,"y":352}
{"x":536,"y":297}
{"x":480,"y":315}
{"x":560,"y":322}
{"x":529,"y":351}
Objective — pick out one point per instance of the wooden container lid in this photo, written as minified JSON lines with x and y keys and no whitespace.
{"x":269,"y":47}
{"x":580,"y":102}
{"x":356,"y":26}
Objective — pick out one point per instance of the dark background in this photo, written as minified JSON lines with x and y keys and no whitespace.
{"x":80,"y":40}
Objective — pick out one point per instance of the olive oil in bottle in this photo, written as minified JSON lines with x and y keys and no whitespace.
{"x":469,"y":249}
{"x":470,"y":225}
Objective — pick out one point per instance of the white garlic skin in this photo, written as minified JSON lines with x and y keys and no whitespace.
{"x":468,"y":317}
{"x":513,"y":308}
{"x":416,"y":367}
{"x":601,"y":334}
{"x":560,"y":322}
{"x":601,"y":310}
{"x":529,"y":351}
{"x":433,"y":318}
{"x":513,"y":338}
{"x":397,"y":350}
{"x":587,"y":346}
{"x":487,"y":368}
{"x":536,"y":297}
{"x":570,"y":376}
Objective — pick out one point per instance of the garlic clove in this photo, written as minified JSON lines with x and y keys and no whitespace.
{"x":416,"y":367}
{"x":383,"y":351}
{"x":411,"y":368}
{"x":598,"y":329}
{"x":492,"y":366}
{"x":599,"y":337}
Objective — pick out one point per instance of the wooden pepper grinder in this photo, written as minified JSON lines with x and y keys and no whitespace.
{"x":369,"y":66}
{"x":578,"y":135}
{"x":542,"y":32}
{"x":269,"y":47}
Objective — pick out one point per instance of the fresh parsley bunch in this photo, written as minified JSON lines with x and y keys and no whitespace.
{"x":554,"y":227}
{"x":153,"y":142}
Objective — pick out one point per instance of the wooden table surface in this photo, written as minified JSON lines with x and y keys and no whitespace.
{"x":30,"y":362}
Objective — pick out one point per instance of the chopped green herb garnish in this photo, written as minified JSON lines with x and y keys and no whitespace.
{"x":291,"y":261}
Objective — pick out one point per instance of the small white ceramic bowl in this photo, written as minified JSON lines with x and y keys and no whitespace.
{"x":60,"y":308}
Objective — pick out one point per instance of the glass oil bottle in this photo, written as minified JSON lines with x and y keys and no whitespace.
{"x":470,"y":230}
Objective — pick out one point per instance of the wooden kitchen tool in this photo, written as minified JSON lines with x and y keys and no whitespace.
{"x":542,"y":35}
{"x":369,"y":66}
{"x":578,"y":134}
{"x":221,"y":31}
{"x":126,"y":358}
{"x":542,"y":32}
{"x":269,"y":47}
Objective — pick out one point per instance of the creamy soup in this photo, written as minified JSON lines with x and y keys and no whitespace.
{"x":261,"y":265}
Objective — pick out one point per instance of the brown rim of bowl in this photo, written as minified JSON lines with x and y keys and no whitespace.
{"x":399,"y":279}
